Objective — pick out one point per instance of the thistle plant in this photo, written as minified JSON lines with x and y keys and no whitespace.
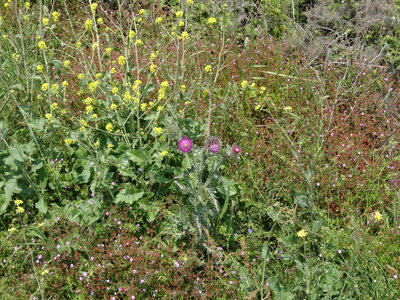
{"x":207,"y":192}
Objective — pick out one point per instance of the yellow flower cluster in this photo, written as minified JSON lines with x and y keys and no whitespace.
{"x":55,"y":15}
{"x":88,"y":25}
{"x":302,"y":233}
{"x":122,"y":60}
{"x":42,"y":45}
{"x":93,"y":86}
{"x":109,"y":127}
{"x":158,"y":130}
{"x":211,"y":21}
{"x":69,"y":141}
{"x":162,"y":90}
{"x":88,"y":101}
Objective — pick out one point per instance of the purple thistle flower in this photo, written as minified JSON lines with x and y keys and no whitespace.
{"x":236,"y":149}
{"x":185,"y":144}
{"x":213,"y":144}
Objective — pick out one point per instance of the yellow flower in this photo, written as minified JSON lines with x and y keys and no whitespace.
{"x":95,"y":45}
{"x":127,"y":96}
{"x":88,"y":24}
{"x":143,"y":106}
{"x":208,"y":69}
{"x":302,"y":233}
{"x":100,"y":21}
{"x":153,"y":68}
{"x":139,"y":42}
{"x":69,"y":141}
{"x":164,"y":84}
{"x":27,"y":5}
{"x":377,"y":216}
{"x":64,"y":84}
{"x":113,"y":70}
{"x":93,"y":86}
{"x":18,"y":202}
{"x":159,"y":20}
{"x":54,"y":106}
{"x":179,"y":14}
{"x":12,"y":229}
{"x":41,"y":224}
{"x":93,"y":7}
{"x":257,"y":107}
{"x":6,"y":5}
{"x":139,"y":20}
{"x":99,"y":75}
{"x":153,"y":55}
{"x":131,"y":34}
{"x":5,"y":36}
{"x":80,"y":76}
{"x":114,"y":90}
{"x":157,"y":130}
{"x":42,"y":45}
{"x":108,"y":50}
{"x":189,"y":2}
{"x":185,"y":35}
{"x":122,"y":60}
{"x":288,"y":108}
{"x":244,"y":84}
{"x":88,"y":101}
{"x":161,"y":94}
{"x":89,"y":108}
{"x":164,"y":153}
{"x":109,"y":146}
{"x":45,"y":87}
{"x":84,"y":123}
{"x":160,"y":108}
{"x":109,"y":127}
{"x":67,"y":63}
{"x":138,"y":82}
{"x":55,"y":15}
{"x":45,"y":21}
{"x":181,"y":24}
{"x":183,"y":88}
{"x":48,"y":116}
{"x":78,"y":44}
{"x":211,"y":21}
{"x":55,"y":87}
{"x":113,"y":106}
{"x":142,"y":11}
{"x":44,"y":272}
{"x":95,"y":116}
{"x":205,"y":92}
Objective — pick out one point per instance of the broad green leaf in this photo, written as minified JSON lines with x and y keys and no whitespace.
{"x":137,"y":156}
{"x":301,"y":199}
{"x":41,"y":206}
{"x":10,"y":188}
{"x":129,"y":195}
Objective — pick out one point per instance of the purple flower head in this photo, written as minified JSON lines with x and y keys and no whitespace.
{"x":213,"y":144}
{"x":236,"y":149}
{"x":185,"y":144}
